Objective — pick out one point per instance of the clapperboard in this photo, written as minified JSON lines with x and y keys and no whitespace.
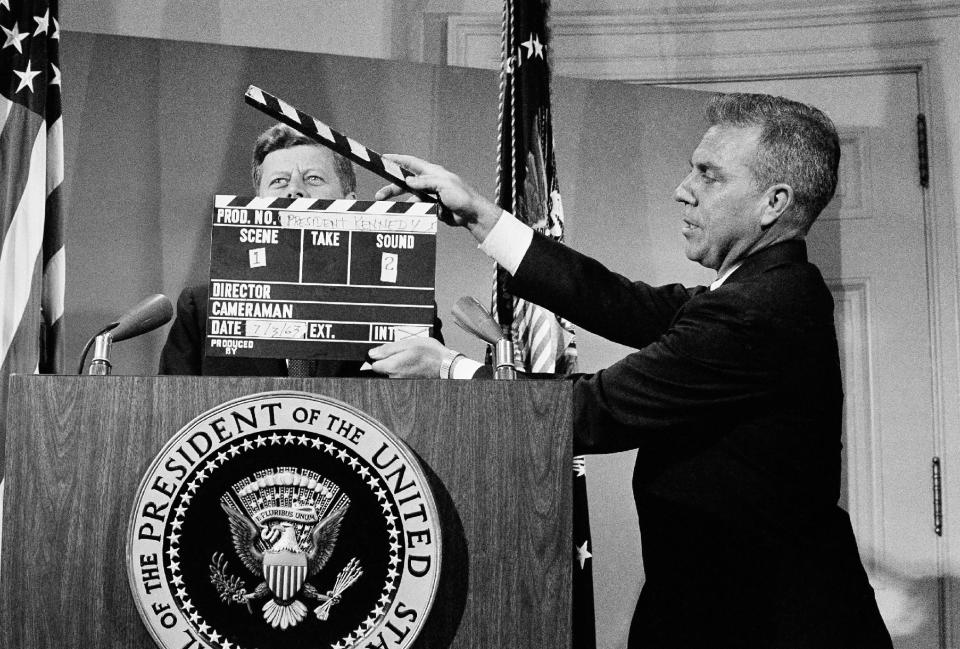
{"x":308,"y":278}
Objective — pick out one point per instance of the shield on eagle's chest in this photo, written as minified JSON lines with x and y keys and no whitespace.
{"x":285,"y":572}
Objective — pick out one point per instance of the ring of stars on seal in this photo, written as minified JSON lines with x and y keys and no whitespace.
{"x":284,"y":519}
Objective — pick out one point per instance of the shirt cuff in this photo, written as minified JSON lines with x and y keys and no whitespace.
{"x":465,"y":368}
{"x":508,"y":242}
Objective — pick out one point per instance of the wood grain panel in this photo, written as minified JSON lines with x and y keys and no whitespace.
{"x":497,"y":455}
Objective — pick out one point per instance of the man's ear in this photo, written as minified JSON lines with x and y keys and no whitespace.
{"x":351,"y":195}
{"x":778,"y":199}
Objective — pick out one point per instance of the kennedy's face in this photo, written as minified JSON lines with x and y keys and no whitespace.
{"x":302,"y":171}
{"x":721,"y":204}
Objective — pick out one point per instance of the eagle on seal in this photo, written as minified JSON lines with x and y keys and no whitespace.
{"x":285,"y":562}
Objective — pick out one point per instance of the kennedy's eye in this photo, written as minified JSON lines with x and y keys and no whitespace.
{"x":314,"y":179}
{"x":278,"y":182}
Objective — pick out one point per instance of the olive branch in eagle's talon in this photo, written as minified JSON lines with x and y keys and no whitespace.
{"x":230,"y":587}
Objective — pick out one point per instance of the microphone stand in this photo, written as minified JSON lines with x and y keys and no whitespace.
{"x":503,"y":357}
{"x":100,"y":365}
{"x":474,"y":319}
{"x":150,"y":313}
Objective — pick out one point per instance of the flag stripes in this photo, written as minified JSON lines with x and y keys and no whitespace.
{"x":32,"y":268}
{"x":22,"y":240}
{"x":54,"y":257}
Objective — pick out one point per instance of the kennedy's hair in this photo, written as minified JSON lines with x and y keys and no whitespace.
{"x":799,"y":146}
{"x":281,"y":136}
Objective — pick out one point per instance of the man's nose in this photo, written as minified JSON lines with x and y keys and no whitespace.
{"x":682,"y":193}
{"x":296,"y":189}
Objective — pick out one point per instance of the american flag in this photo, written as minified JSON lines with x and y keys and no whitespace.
{"x":31,"y":170}
{"x":527,"y":186}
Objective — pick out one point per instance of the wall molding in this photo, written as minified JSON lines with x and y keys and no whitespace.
{"x":864,"y":471}
{"x":640,"y":48}
{"x":734,"y":17}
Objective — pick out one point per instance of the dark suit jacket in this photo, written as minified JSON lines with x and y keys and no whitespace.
{"x":733,"y":401}
{"x":183,"y":351}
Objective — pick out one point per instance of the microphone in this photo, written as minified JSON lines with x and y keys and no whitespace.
{"x":475,"y":319}
{"x":152,"y":312}
{"x":148,"y":314}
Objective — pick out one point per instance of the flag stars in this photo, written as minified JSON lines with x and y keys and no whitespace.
{"x":56,"y":30}
{"x":55,"y":81}
{"x":5,"y":3}
{"x":26,"y":78}
{"x":43,"y":23}
{"x":579,"y":466}
{"x":583,"y":554}
{"x":534,"y":46}
{"x":14,"y":38}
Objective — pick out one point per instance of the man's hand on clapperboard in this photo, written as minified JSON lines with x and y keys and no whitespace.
{"x":411,"y":358}
{"x":468,"y":207}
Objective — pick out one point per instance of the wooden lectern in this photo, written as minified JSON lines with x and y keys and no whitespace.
{"x":497,"y":453}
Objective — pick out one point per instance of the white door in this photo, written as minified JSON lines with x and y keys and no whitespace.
{"x":870,"y":245}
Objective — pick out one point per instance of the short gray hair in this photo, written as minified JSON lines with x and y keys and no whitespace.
{"x":799,"y":146}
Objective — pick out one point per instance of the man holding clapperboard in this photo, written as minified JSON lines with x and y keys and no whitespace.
{"x":733,"y":398}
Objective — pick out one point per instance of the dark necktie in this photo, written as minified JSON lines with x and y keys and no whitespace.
{"x":301,"y":367}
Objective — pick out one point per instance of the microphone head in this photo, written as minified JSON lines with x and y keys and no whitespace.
{"x":474,"y":318}
{"x":155,"y":311}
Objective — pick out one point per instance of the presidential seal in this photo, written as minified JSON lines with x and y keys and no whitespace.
{"x":284,"y":519}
